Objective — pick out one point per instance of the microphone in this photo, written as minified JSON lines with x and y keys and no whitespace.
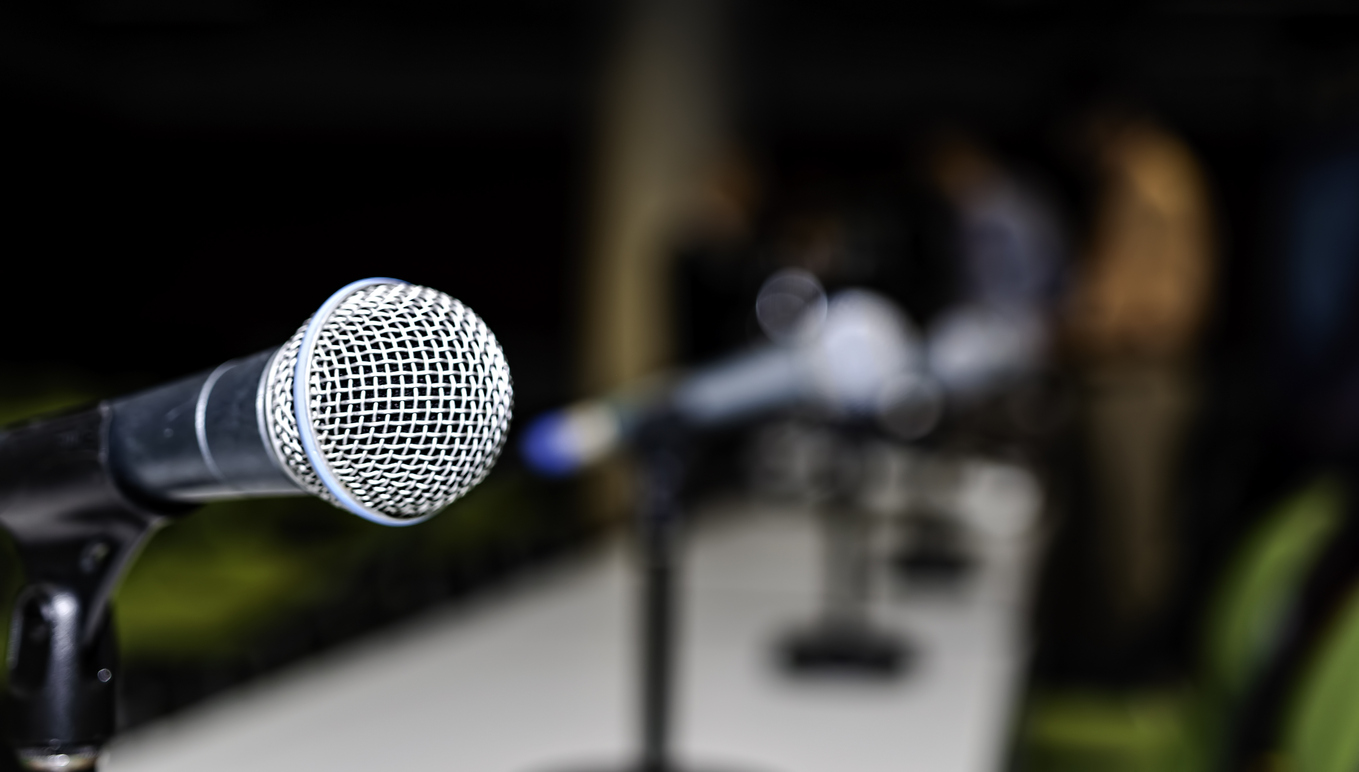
{"x":862,"y":352}
{"x":977,"y":350}
{"x":391,"y":401}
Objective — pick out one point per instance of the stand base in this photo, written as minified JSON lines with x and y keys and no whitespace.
{"x":55,"y":760}
{"x":934,"y":567}
{"x":673,"y":766}
{"x":846,"y":649}
{"x":935,"y":553}
{"x":642,"y":768}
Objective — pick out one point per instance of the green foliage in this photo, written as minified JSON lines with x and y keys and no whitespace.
{"x":1097,"y":731}
{"x":211,"y":586}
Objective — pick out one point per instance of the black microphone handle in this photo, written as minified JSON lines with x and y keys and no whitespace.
{"x":198,"y":439}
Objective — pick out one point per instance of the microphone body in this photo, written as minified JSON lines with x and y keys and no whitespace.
{"x":392,"y":401}
{"x":199,"y":439}
{"x":978,"y":350}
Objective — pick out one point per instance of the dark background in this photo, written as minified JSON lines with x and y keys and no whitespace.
{"x":185,"y":181}
{"x":185,"y":184}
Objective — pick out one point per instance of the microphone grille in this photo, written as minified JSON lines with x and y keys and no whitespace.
{"x":409,"y":399}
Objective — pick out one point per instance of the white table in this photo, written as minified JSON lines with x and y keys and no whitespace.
{"x":539,"y":675}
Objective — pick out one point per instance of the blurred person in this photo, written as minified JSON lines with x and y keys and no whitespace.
{"x":1011,"y":243}
{"x":1137,"y":308}
{"x":1143,"y":291}
{"x":1012,"y":252}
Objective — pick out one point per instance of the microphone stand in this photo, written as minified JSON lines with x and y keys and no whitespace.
{"x":843,"y":638}
{"x":660,"y":447}
{"x":75,"y":534}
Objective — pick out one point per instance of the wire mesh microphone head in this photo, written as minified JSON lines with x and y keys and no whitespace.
{"x":392,"y":401}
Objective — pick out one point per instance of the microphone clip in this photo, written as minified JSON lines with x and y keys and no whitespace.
{"x":75,"y":534}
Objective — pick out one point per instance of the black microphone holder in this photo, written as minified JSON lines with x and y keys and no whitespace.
{"x":75,"y":533}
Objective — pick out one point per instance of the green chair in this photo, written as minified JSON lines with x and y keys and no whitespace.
{"x":1320,"y":731}
{"x":1180,"y":727}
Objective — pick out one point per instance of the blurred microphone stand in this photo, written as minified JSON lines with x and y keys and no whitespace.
{"x":660,"y":447}
{"x":660,"y":451}
{"x":933,"y":552}
{"x":843,"y":638}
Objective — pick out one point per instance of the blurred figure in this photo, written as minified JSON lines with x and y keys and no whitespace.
{"x":1137,"y":308}
{"x":1012,"y":254}
{"x":1010,"y":239}
{"x":1143,"y":293}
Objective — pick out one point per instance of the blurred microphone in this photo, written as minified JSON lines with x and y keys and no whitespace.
{"x":848,"y":356}
{"x":392,"y":401}
{"x":977,"y":350}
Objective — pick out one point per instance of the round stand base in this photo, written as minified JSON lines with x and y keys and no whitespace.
{"x":848,"y":648}
{"x":638,"y":766}
{"x":641,"y":768}
{"x":934,"y":566}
